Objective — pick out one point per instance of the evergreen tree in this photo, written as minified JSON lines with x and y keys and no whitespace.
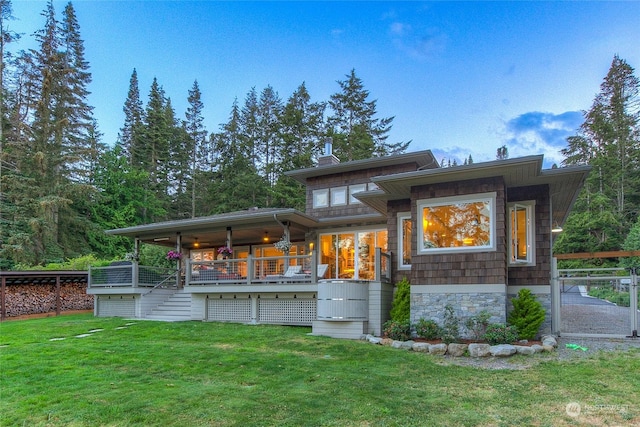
{"x":301,"y":133}
{"x":502,"y":153}
{"x":269,"y":142}
{"x":238,"y":185}
{"x":122,"y":201}
{"x":153,"y":155}
{"x":130,"y":137}
{"x":79,"y":132}
{"x":608,"y":140}
{"x":194,"y":126}
{"x":356,"y":132}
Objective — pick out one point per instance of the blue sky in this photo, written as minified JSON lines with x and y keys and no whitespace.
{"x":461,"y":78}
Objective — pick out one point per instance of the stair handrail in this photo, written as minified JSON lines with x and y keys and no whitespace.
{"x":174,"y":276}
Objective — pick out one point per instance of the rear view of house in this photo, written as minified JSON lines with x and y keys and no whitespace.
{"x":469,"y":236}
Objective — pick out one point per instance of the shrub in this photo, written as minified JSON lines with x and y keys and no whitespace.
{"x":400,"y":331}
{"x":527,"y":315}
{"x":477,"y":325}
{"x":400,"y":308}
{"x":499,"y":333}
{"x":450,"y":325}
{"x":428,"y":329}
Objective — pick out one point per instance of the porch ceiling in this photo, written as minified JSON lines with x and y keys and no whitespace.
{"x":247,"y":227}
{"x":564,"y":183}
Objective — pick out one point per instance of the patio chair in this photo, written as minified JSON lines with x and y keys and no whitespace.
{"x":322,"y":270}
{"x":292,"y":271}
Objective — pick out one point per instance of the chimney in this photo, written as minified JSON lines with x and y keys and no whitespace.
{"x":328,"y":158}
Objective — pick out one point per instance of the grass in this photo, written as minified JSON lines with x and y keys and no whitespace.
{"x":212,"y":374}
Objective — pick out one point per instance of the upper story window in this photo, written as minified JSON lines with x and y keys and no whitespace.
{"x":405,"y":232}
{"x":521,"y":232}
{"x":353,"y":189}
{"x":457,"y":224}
{"x":321,"y":198}
{"x":339,"y":196}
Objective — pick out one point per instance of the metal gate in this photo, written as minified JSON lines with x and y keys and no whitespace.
{"x":595,"y":302}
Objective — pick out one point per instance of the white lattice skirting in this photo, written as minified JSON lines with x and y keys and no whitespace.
{"x":229,"y":310}
{"x":287,"y":311}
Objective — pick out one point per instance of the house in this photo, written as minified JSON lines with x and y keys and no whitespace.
{"x":470,"y":236}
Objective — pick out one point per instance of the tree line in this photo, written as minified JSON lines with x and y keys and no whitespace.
{"x":61,"y":186}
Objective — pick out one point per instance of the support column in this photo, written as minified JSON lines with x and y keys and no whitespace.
{"x":179,"y":260}
{"x":556,"y":320}
{"x":3,"y":301}
{"x":58,"y":300}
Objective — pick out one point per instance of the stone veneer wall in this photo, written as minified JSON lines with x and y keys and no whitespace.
{"x":428,"y":303}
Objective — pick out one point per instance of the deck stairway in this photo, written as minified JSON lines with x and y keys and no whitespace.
{"x":176,"y":308}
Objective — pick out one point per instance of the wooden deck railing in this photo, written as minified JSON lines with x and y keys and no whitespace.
{"x":245,"y":271}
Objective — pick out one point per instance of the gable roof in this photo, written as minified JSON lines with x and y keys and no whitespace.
{"x":564,"y":183}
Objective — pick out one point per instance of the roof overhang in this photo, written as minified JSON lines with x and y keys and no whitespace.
{"x":247,"y":227}
{"x":564,"y":183}
{"x":422,"y":159}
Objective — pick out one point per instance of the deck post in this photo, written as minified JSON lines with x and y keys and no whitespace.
{"x":3,"y":289}
{"x":134,"y":273}
{"x":555,"y":298}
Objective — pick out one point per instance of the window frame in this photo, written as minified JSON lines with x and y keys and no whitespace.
{"x":404,"y":216}
{"x":489,"y":198}
{"x":320,"y":198}
{"x":356,"y":188}
{"x":341,"y":193}
{"x":530,"y":212}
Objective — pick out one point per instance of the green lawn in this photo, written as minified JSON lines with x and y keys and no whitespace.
{"x":212,"y":374}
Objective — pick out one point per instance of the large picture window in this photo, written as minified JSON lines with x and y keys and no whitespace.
{"x":457,"y":224}
{"x":521,"y":233}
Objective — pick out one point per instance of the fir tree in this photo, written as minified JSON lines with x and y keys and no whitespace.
{"x":130,"y":137}
{"x":356,"y":132}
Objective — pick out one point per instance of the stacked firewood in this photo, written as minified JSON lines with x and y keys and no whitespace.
{"x":26,"y":299}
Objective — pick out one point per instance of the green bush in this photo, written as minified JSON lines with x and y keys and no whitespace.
{"x":401,"y":306}
{"x":527,"y":315}
{"x":450,"y":325}
{"x":428,"y":329}
{"x":499,"y":333}
{"x":477,"y":325}
{"x":396,"y":330}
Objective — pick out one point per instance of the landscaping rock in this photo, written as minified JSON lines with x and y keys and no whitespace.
{"x":548,"y":348}
{"x":550,"y":340}
{"x":438,"y":349}
{"x":405,"y":345}
{"x":386,"y":341}
{"x":502,"y":350}
{"x":374,"y":340}
{"x":456,"y":350}
{"x":421,"y":347}
{"x":523,"y":349}
{"x":479,"y":350}
{"x":537,"y":348}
